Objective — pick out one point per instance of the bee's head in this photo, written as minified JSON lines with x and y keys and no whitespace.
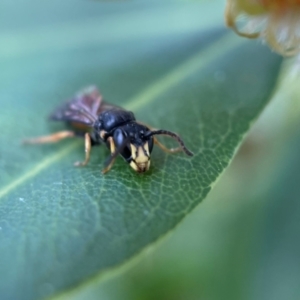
{"x":135,"y":145}
{"x":134,"y":142}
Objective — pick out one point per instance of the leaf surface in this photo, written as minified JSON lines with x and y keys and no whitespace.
{"x":61,"y":225}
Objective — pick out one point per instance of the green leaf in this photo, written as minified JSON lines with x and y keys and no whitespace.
{"x":61,"y":225}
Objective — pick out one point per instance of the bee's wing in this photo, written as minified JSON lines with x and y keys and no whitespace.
{"x":83,"y":108}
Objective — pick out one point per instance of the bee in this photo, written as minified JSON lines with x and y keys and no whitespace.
{"x":101,"y":123}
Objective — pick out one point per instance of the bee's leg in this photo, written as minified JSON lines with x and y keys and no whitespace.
{"x":112,"y":158}
{"x":52,"y":138}
{"x":164,"y":148}
{"x":159,"y":144}
{"x":87,"y":147}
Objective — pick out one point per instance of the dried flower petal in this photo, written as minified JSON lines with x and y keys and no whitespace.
{"x":276,"y":21}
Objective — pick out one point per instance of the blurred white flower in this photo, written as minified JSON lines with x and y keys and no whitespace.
{"x":275,"y":21}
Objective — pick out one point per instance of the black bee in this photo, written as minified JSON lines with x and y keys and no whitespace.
{"x":102,"y":123}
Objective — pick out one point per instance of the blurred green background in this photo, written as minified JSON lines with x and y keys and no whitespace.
{"x":243,"y":241}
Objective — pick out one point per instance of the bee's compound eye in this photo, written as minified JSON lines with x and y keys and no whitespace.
{"x":126,"y":154}
{"x":120,"y":139}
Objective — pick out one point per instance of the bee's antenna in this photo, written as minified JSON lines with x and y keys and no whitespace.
{"x":173,"y":135}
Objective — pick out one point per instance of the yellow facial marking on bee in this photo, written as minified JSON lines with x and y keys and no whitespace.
{"x":141,"y":157}
{"x":146,"y":146}
{"x":140,"y":161}
{"x":133,"y":166}
{"x":133,"y":151}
